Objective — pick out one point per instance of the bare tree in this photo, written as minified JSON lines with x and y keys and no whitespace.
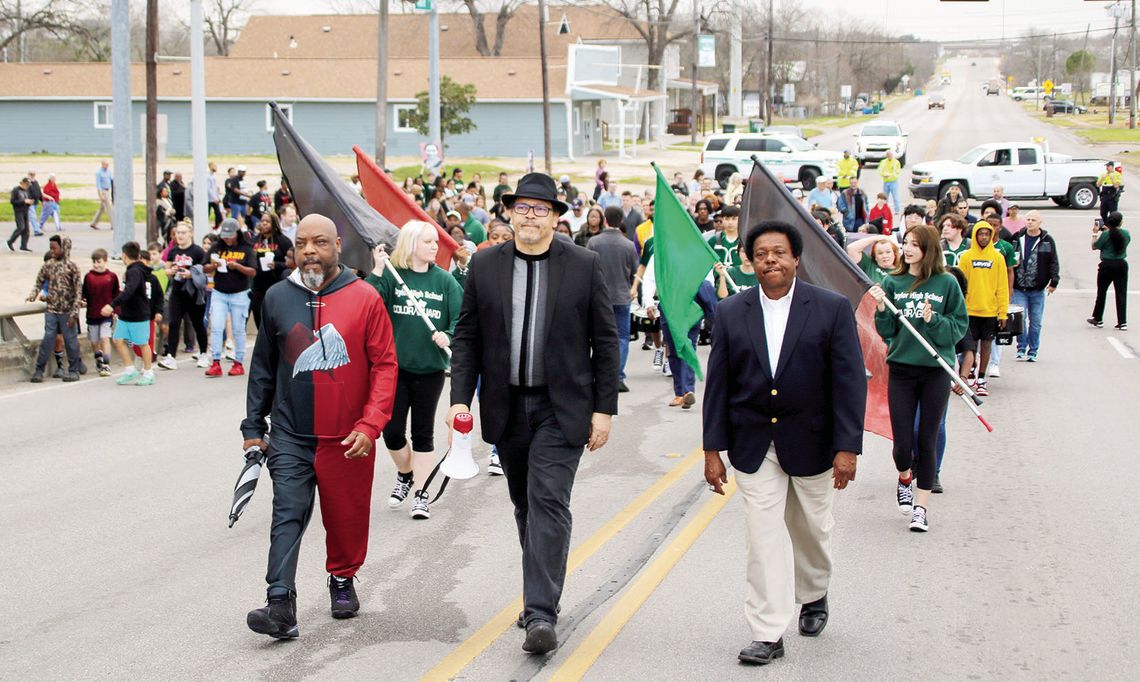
{"x":58,"y":18}
{"x":223,"y":20}
{"x":502,"y":10}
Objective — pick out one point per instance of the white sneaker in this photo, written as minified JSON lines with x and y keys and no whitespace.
{"x":918,"y":522}
{"x":993,"y":372}
{"x":420,"y":506}
{"x":399,"y":493}
{"x":230,"y":354}
{"x":658,"y":358}
{"x":906,"y":497}
{"x":493,"y":466}
{"x":229,"y":344}
{"x":167,"y":362}
{"x":666,"y":370}
{"x":203,"y":361}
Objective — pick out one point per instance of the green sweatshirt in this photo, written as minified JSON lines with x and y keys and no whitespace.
{"x":441,"y":296}
{"x":946,"y":327}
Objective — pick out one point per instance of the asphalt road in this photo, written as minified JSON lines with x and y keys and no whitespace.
{"x":119,"y":563}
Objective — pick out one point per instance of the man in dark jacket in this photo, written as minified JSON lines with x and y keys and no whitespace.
{"x":785,"y":395}
{"x":324,"y":366}
{"x":61,"y":276}
{"x":530,"y":359}
{"x":619,"y":261}
{"x":1038,"y":273}
{"x":135,"y":307}
{"x":21,"y":205}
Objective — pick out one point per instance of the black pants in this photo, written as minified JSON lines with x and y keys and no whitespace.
{"x":216,"y":208}
{"x":21,"y":231}
{"x":540,"y":465}
{"x":1114,"y":272}
{"x":183,"y":304}
{"x":1108,"y":203}
{"x":418,"y":394}
{"x":908,"y":388}
{"x":256,"y":296}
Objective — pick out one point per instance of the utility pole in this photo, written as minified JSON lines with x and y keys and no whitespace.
{"x":434,"y":131}
{"x":771,"y":38}
{"x":151,"y":119}
{"x":198,"y":117}
{"x":122,"y":137}
{"x":382,"y":85}
{"x":1114,"y":10}
{"x":735,"y":61}
{"x":693,"y":73}
{"x":1053,"y":60}
{"x":1132,"y":68}
{"x":545,"y":85}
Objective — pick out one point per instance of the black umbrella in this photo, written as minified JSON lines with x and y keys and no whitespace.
{"x":247,"y":482}
{"x":317,"y":188}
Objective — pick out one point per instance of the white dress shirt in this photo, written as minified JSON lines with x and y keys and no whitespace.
{"x":776,"y":322}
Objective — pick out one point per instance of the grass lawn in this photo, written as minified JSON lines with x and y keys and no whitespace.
{"x":74,"y":211}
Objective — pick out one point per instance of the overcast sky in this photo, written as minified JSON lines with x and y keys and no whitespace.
{"x":930,"y":19}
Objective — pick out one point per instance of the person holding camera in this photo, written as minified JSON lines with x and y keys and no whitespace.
{"x":1112,"y":241}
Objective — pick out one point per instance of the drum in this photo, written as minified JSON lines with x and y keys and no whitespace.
{"x":1014,"y":325}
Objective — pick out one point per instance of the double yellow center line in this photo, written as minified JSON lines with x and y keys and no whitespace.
{"x":478,"y":642}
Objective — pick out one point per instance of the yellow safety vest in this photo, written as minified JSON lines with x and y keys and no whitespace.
{"x":848,"y":168}
{"x":889,"y":170}
{"x":1110,"y":178}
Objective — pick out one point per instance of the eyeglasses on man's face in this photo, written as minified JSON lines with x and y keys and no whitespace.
{"x":522,"y":208}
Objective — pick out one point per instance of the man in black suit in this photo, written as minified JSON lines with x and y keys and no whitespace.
{"x":785,"y":396}
{"x":531,"y":360}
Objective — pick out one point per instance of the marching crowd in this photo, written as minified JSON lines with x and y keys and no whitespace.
{"x":966,"y":284}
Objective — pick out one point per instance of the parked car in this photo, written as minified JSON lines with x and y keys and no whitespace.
{"x":1021,"y":93}
{"x":936,"y":101}
{"x":794,"y":159}
{"x":1064,"y":106}
{"x":873,"y":141}
{"x":1025,"y":170}
{"x":993,"y":88}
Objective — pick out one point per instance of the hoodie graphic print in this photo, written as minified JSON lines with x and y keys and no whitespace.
{"x":324,"y":363}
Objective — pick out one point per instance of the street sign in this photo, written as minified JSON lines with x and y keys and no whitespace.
{"x":423,"y":4}
{"x":1009,"y":79}
{"x":845,"y":92}
{"x":1067,"y":89}
{"x":1047,"y":86}
{"x":706,"y":50}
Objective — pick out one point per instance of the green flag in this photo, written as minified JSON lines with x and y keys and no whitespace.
{"x":681,"y":261}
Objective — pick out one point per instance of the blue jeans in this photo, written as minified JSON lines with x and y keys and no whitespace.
{"x":238,"y":211}
{"x":891,"y":189}
{"x":236,"y":307}
{"x":50,"y":210}
{"x":1034,"y":304}
{"x":54,"y":324}
{"x":33,"y":221}
{"x":684,"y":378}
{"x":621,"y":317}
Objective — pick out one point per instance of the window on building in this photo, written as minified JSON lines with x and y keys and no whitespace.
{"x":402,"y":118}
{"x":286,"y":109}
{"x":103,"y":115}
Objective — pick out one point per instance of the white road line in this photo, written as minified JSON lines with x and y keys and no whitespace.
{"x":1120,"y":347}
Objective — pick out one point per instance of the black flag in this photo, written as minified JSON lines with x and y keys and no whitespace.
{"x":317,"y":188}
{"x":824,"y":263}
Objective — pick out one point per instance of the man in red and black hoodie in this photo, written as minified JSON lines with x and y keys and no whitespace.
{"x":324,"y":366}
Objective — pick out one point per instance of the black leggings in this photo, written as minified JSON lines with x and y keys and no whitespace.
{"x":908,"y":387}
{"x":1114,"y":272}
{"x":183,"y":305}
{"x":418,"y":393}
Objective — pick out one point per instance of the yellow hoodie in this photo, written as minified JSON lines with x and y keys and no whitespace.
{"x":987,"y":284}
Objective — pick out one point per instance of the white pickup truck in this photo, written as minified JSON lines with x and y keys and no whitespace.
{"x":1024,"y":170}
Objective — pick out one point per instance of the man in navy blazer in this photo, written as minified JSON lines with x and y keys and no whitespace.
{"x":785,"y":397}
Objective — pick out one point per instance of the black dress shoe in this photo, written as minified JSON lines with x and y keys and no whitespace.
{"x":540,"y":638}
{"x":762,"y":653}
{"x":622,"y":388}
{"x":813,"y":617}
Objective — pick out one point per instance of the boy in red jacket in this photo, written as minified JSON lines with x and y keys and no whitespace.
{"x":882,"y":210}
{"x":100,"y":287}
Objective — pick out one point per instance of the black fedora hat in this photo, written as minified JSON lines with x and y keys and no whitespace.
{"x":536,"y":186}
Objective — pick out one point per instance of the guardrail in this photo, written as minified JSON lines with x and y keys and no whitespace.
{"x":9,"y":330}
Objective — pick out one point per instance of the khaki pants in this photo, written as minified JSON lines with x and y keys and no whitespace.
{"x":104,"y":207}
{"x":789,"y":522}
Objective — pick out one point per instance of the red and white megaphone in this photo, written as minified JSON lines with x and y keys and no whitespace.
{"x":460,"y":463}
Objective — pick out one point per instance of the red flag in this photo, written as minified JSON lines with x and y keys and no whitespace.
{"x":825,"y":264}
{"x":383,"y":194}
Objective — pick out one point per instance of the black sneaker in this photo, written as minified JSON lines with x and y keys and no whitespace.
{"x":37,"y":377}
{"x":58,"y":373}
{"x":420,"y":510}
{"x":71,"y":376}
{"x":918,"y":522}
{"x":81,"y":368}
{"x":937,"y":487}
{"x":622,"y":388}
{"x":400,"y":492}
{"x":1095,"y":322}
{"x":906,"y":497}
{"x":343,"y":597}
{"x":278,"y":618}
{"x":1122,"y":327}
